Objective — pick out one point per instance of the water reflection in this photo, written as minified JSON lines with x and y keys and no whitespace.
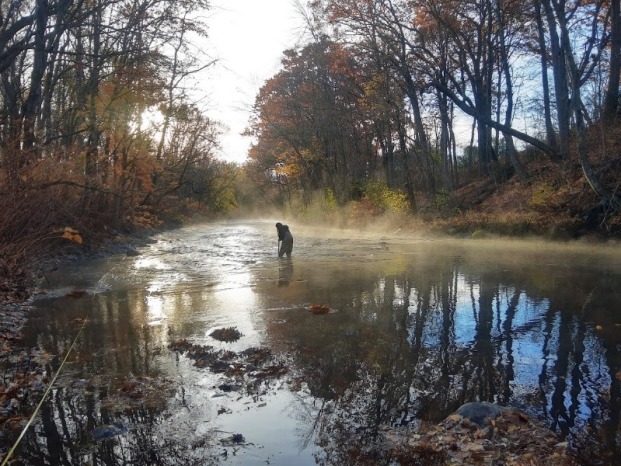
{"x":447,"y":327}
{"x":285,"y":271}
{"x":418,"y":328}
{"x":103,"y":385}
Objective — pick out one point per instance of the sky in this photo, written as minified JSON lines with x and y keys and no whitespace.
{"x":248,"y":38}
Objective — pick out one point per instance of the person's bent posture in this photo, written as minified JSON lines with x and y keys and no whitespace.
{"x":285,"y":240}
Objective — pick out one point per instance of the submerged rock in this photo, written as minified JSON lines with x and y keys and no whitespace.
{"x":235,"y":439}
{"x":228,"y":335}
{"x":108,"y":431}
{"x":227,"y":387}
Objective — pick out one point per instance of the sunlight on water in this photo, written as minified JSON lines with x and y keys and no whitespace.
{"x":151,"y":263}
{"x":155,"y":310}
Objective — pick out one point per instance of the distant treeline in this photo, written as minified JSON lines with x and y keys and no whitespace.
{"x":422,"y":94}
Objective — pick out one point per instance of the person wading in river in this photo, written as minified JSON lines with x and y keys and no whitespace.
{"x":285,"y":240}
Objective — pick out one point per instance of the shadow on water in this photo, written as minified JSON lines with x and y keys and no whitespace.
{"x":415,"y":329}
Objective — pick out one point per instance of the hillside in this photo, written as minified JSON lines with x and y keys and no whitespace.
{"x":556,"y":202}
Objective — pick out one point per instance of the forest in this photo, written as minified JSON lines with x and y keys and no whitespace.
{"x":464,"y":113}
{"x":434,"y":107}
{"x":99,"y":131}
{"x":469,"y":118}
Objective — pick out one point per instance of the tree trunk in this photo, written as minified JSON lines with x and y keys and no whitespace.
{"x":33,"y":101}
{"x":611,"y":101}
{"x":559,"y":69}
{"x":506,"y":71}
{"x":92,"y":94}
{"x":444,"y":141}
{"x":409,"y":183}
{"x":545,"y":84}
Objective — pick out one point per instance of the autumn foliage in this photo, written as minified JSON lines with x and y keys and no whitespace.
{"x":98,"y":136}
{"x":428,"y":97}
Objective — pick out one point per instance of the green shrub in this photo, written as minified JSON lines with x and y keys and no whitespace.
{"x":442,"y":200}
{"x":329,"y":200}
{"x":384,"y":199}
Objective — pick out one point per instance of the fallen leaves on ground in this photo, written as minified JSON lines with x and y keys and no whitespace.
{"x":512,"y":439}
{"x":151,"y":392}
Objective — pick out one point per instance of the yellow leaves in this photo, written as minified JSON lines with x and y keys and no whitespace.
{"x":543,"y":195}
{"x":380,"y":96}
{"x":292,"y":162}
{"x":70,"y":234}
{"x":281,"y":169}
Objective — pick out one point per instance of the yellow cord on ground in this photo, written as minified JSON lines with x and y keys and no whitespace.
{"x":49,"y":388}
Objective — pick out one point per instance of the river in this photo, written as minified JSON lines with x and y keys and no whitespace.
{"x":415,"y":327}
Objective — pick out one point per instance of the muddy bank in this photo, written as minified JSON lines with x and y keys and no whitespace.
{"x":23,"y":371}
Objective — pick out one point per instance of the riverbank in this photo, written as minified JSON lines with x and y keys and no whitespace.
{"x":556,"y":203}
{"x":480,"y":433}
{"x":23,"y":371}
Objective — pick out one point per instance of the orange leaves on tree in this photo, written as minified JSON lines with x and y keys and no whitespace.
{"x":311,"y":102}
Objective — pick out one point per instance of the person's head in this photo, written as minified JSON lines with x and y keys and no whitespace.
{"x":278,"y":225}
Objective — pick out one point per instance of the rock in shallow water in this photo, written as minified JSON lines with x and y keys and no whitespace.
{"x":108,"y":431}
{"x":480,"y":412}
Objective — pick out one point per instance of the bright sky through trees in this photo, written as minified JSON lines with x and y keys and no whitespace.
{"x":248,"y":37}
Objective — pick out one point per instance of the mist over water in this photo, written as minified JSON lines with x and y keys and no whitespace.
{"x":416,"y":328}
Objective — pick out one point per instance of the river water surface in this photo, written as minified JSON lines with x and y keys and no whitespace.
{"x":416,"y":328}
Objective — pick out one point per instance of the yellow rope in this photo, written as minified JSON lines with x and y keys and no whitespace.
{"x":49,"y":388}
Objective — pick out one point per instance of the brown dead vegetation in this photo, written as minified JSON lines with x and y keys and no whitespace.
{"x":319,"y":309}
{"x":512,"y":439}
{"x":556,"y":203}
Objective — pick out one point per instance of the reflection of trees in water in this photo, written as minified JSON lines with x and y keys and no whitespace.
{"x":111,"y":325}
{"x":403,"y":349}
{"x":408,"y":345}
{"x":85,"y":399}
{"x":578,"y":383}
{"x":62,"y":437}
